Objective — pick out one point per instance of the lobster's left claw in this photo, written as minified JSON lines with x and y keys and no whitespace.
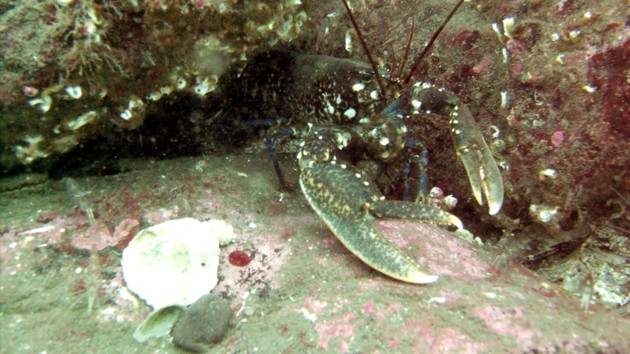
{"x":483,"y":172}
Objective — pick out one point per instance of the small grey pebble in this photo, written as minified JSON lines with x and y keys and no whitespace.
{"x":203,"y":324}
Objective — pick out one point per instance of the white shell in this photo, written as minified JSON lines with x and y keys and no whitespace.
{"x":82,"y":120}
{"x":43,"y":103}
{"x":175,"y":262}
{"x":203,"y":87}
{"x":126,"y":114}
{"x":154,"y":96}
{"x":180,"y":84}
{"x":75,"y":92}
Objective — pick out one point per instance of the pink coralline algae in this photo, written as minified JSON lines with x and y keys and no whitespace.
{"x":483,"y":65}
{"x":97,"y":236}
{"x":268,"y":255}
{"x":504,"y":323}
{"x":442,"y":253}
{"x":557,"y":138}
{"x":100,"y":237}
{"x":339,"y":329}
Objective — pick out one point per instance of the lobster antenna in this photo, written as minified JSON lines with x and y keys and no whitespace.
{"x":365,"y":47}
{"x":420,"y":57}
{"x":406,"y":56}
{"x":393,"y":68}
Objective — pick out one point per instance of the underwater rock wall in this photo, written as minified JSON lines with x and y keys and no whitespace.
{"x":75,"y":70}
{"x":546,"y":80}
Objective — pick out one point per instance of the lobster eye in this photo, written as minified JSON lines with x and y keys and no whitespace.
{"x":365,"y":77}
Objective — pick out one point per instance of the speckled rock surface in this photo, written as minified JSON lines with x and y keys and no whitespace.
{"x":301,"y":292}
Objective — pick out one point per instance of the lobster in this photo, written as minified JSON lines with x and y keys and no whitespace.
{"x":342,"y":114}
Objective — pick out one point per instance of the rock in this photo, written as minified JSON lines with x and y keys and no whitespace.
{"x":203,"y":324}
{"x":175,"y":262}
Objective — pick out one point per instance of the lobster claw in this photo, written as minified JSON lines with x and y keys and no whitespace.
{"x":349,"y":204}
{"x":483,"y":172}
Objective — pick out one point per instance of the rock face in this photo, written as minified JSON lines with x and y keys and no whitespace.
{"x":78,"y":88}
{"x":175,"y":262}
{"x":203,"y":324}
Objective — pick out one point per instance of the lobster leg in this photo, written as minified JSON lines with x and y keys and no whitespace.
{"x":271,"y":146}
{"x":272,"y":136}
